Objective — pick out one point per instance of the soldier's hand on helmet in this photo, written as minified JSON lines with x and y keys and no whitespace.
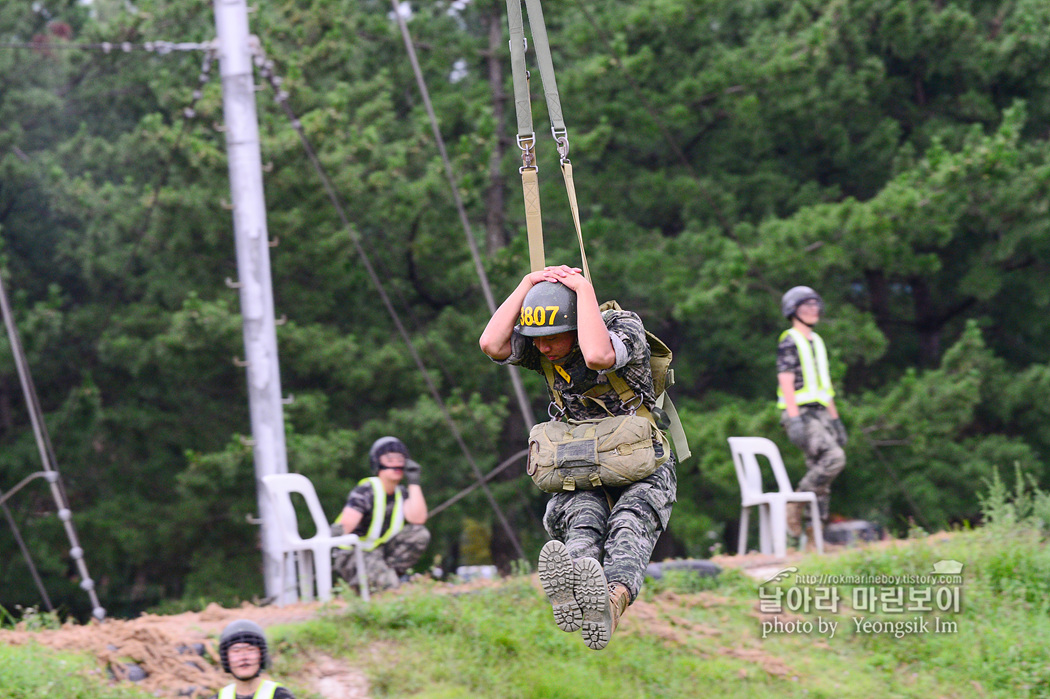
{"x":537,"y":277}
{"x":796,"y":431}
{"x":412,"y":472}
{"x":571,"y":277}
{"x":840,"y":432}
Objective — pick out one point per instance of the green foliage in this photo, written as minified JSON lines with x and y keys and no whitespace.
{"x":889,"y":153}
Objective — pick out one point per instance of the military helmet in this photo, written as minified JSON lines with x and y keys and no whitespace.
{"x":384,"y":445}
{"x":795,"y":297}
{"x":548,"y":309}
{"x":243,"y":631}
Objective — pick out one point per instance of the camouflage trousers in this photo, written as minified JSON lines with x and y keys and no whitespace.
{"x":385,"y":564}
{"x":825,"y":459}
{"x":621,"y":536}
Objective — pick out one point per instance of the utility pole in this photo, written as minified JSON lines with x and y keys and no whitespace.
{"x":253,"y":268}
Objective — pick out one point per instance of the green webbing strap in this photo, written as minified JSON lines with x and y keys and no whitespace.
{"x":526,"y":134}
{"x":530,"y":184}
{"x":522,"y":102}
{"x":530,"y":187}
{"x":543,"y":57}
{"x":675,"y":429}
{"x":627,"y":396}
{"x":570,"y":189}
{"x":548,"y":371}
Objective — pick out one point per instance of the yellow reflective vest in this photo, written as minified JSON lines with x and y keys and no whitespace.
{"x":816,"y":380}
{"x":376,"y":536}
{"x":265,"y":691}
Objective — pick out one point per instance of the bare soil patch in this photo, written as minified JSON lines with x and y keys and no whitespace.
{"x":174,"y":651}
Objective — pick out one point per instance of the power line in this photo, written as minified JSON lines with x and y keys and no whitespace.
{"x":515,"y":378}
{"x":25,"y":554}
{"x":266,"y":67}
{"x":47,"y":457}
{"x":158,"y":47}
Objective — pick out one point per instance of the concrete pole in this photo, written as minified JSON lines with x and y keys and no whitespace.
{"x":253,"y":268}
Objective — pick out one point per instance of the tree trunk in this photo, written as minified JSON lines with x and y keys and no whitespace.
{"x":928,"y":323}
{"x":495,"y":226}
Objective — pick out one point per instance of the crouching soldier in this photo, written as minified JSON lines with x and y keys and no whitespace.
{"x":387,"y":511}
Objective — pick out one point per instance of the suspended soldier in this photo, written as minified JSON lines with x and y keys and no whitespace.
{"x":388,"y":515}
{"x":807,"y":398}
{"x":603,"y":537}
{"x":244,"y":654}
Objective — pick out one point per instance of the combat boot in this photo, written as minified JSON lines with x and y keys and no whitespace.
{"x":619,"y":600}
{"x":601,"y":610}
{"x":558,"y":578}
{"x":794,"y":519}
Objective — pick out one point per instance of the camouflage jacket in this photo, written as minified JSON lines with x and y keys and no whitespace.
{"x":362,"y":499}
{"x":788,"y":361}
{"x":575,"y":378}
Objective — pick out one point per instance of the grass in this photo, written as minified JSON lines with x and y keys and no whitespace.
{"x":28,"y":672}
{"x":501,"y":643}
{"x":689,"y":636}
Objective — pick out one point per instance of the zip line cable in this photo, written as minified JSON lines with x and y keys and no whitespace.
{"x":474,"y":486}
{"x":47,"y":454}
{"x":43,"y":437}
{"x":515,"y":378}
{"x":266,"y":66}
{"x":165,"y":47}
{"x":158,"y":47}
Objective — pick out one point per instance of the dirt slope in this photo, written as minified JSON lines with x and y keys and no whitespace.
{"x":168,"y":649}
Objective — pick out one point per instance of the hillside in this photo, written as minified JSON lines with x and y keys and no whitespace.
{"x":448,"y":639}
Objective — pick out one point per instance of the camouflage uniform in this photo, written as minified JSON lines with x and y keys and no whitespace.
{"x":825,"y":459}
{"x":385,"y":564}
{"x":621,"y":536}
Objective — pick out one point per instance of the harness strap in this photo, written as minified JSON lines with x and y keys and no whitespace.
{"x":543,"y":57}
{"x":570,"y":189}
{"x":530,"y":187}
{"x":526,"y":135}
{"x":522,"y":102}
{"x":548,"y":372}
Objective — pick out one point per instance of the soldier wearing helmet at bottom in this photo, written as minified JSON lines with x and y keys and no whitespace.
{"x":244,"y":654}
{"x":806,"y":396}
{"x":602,"y":539}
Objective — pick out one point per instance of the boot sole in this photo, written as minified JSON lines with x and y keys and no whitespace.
{"x":592,"y":595}
{"x":558,"y":578}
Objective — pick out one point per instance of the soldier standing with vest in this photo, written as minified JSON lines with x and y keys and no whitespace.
{"x":806,"y":396}
{"x":602,"y":538}
{"x":244,"y":654}
{"x":388,"y":515}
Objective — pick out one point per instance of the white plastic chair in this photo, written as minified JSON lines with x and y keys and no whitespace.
{"x":313,"y":555}
{"x":772,"y":507}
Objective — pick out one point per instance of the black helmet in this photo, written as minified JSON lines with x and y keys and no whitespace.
{"x":384,"y":445}
{"x":795,"y":297}
{"x":243,"y":631}
{"x":548,"y":309}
